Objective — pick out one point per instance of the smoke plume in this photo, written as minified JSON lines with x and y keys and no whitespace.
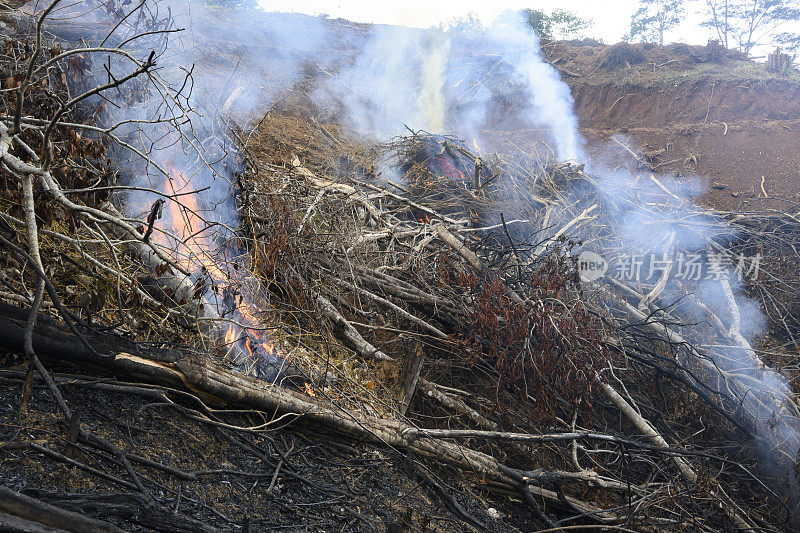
{"x":383,"y":79}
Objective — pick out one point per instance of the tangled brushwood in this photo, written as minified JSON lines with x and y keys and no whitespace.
{"x":433,"y":321}
{"x":472,"y":282}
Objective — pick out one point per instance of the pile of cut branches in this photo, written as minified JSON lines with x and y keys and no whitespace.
{"x":447,"y":314}
{"x":461,"y":301}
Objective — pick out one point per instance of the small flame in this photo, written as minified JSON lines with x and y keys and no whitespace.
{"x":230,"y":335}
{"x":268,"y":347}
{"x":477,"y":148}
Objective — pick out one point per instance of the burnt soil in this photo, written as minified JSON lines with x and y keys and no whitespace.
{"x":287,"y":477}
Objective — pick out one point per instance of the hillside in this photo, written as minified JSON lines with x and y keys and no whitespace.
{"x":267,"y":271}
{"x":738,"y":120}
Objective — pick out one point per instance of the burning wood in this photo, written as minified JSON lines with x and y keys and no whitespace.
{"x":202,"y":292}
{"x":428,"y":158}
{"x":443,"y":278}
{"x":537,"y":326}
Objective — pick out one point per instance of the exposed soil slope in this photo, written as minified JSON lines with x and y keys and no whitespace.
{"x":692,"y":110}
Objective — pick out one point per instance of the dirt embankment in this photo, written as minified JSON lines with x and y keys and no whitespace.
{"x":610,"y":106}
{"x":693,"y":110}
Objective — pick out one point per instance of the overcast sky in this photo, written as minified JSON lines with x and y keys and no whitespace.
{"x":611,"y":17}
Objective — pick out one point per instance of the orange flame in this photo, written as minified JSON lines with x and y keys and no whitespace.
{"x":477,"y":148}
{"x":230,"y":335}
{"x":193,"y":251}
{"x":189,"y":227}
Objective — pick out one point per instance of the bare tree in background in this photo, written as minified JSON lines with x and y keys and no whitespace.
{"x":745,"y":24}
{"x":558,"y":24}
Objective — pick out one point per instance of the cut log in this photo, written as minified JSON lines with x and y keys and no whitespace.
{"x":31,"y":509}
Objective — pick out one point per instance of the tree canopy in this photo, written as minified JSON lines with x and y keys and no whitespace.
{"x":653,"y":18}
{"x":558,"y":24}
{"x":745,"y":24}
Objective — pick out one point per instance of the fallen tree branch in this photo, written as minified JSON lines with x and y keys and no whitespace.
{"x":647,"y":429}
{"x":33,"y":510}
{"x":452,"y":403}
{"x":448,"y":499}
{"x":349,"y":334}
{"x":347,"y":190}
{"x":210,"y":379}
{"x":470,"y":257}
{"x":397,"y":309}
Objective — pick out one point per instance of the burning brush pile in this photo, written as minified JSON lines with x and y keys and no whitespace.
{"x":588,"y":342}
{"x":597,"y":331}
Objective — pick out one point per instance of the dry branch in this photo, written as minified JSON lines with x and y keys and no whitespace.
{"x":212,"y":380}
{"x":351,"y":336}
{"x":33,"y":510}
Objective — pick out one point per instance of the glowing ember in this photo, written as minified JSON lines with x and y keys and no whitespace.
{"x":435,"y":158}
{"x":443,"y":163}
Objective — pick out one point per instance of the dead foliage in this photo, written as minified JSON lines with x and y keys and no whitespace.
{"x":621,"y":54}
{"x":478,"y":278}
{"x":435,"y":309}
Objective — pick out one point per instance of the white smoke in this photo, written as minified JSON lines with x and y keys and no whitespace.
{"x":552,"y":103}
{"x":387,"y":78}
{"x":451,"y":83}
{"x":229,"y":64}
{"x":396,"y":79}
{"x":656,"y":218}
